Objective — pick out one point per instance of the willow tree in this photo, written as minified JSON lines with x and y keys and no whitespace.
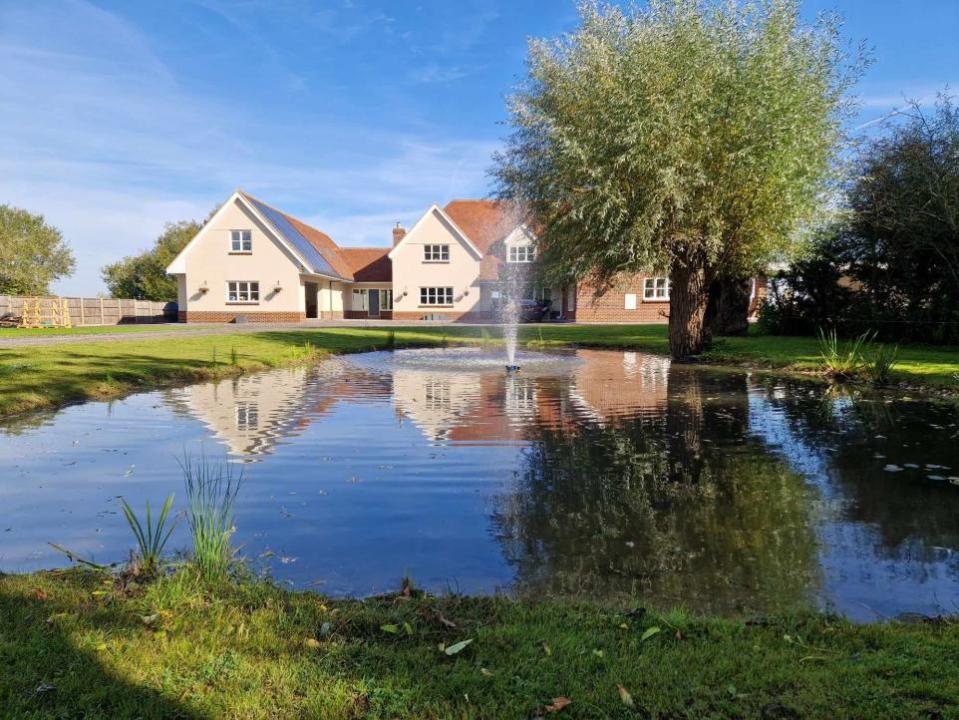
{"x":692,"y":138}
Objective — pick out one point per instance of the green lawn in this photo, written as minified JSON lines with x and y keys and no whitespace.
{"x":91,"y":330}
{"x":74,"y":645}
{"x":51,"y":375}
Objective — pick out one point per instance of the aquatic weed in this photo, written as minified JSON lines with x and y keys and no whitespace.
{"x":881,"y":364}
{"x":843,"y":362}
{"x":211,"y":489}
{"x":151,"y":538}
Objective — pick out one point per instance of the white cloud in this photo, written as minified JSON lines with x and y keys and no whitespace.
{"x":99,"y":136}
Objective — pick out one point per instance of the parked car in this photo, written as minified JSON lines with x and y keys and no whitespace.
{"x":531,"y":311}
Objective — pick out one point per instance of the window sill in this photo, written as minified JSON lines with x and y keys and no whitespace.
{"x":655,"y":300}
{"x":240,"y":252}
{"x":436,"y":262}
{"x":242,"y":302}
{"x":434,"y":306}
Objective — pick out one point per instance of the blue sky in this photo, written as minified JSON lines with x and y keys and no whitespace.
{"x":117,"y":116}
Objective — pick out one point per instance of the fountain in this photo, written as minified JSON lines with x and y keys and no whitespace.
{"x":513,"y":285}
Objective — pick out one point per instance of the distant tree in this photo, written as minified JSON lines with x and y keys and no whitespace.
{"x":902,"y":242}
{"x":32,"y":253}
{"x":143,"y":277}
{"x":693,"y":138}
{"x":892,"y":264}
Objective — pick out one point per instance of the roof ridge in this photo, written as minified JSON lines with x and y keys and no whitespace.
{"x":287,"y":215}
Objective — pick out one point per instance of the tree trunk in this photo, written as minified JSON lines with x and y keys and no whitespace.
{"x":728,"y":310}
{"x":688,"y":297}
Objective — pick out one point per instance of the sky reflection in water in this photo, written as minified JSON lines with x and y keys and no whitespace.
{"x":609,"y":474}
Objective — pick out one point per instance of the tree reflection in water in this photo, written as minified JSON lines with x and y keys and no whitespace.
{"x":680,"y":506}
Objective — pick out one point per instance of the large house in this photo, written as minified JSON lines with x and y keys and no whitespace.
{"x":254,"y":263}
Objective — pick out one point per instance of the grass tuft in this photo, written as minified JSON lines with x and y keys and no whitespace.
{"x":843,"y":361}
{"x":211,"y":489}
{"x":880,"y":365}
{"x":151,"y":536}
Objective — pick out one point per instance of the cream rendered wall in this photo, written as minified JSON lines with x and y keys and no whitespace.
{"x":410,"y":272}
{"x":210,"y":260}
{"x":330,"y":296}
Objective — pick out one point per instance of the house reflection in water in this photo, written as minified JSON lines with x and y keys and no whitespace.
{"x":253,"y":414}
{"x":250,"y":415}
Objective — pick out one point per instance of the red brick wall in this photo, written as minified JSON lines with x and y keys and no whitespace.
{"x":611,"y":306}
{"x":463,"y":317}
{"x":762,"y":287}
{"x":214,"y":316}
{"x":365,"y":315}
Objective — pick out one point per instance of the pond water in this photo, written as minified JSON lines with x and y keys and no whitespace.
{"x":601,"y":474}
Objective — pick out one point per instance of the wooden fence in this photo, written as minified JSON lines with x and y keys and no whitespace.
{"x":102,"y":311}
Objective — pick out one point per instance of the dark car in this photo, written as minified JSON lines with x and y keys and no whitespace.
{"x":531,"y":311}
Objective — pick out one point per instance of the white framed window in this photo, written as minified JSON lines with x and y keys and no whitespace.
{"x":241,"y":241}
{"x":386,"y":299}
{"x":247,"y":416}
{"x":438,"y":395}
{"x":436,"y":253}
{"x":436,"y":296}
{"x":242,"y":291}
{"x":522,"y":254}
{"x":360,"y":299}
{"x":630,"y":301}
{"x":656,"y":288}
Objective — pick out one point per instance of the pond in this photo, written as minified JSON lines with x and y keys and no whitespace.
{"x":601,"y":474}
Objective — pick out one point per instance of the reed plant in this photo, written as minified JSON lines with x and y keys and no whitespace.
{"x":843,"y":361}
{"x":880,"y":364}
{"x":151,"y":536}
{"x":211,"y":488}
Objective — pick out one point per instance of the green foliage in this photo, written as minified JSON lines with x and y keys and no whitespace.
{"x":151,"y":537}
{"x":687,"y":136}
{"x":892,"y":264}
{"x":143,"y":277}
{"x":32,"y":253}
{"x":843,"y":360}
{"x":211,"y":489}
{"x":880,"y":364}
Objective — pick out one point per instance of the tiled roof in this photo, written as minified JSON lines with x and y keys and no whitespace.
{"x":485,"y":222}
{"x":368,"y":264}
{"x":316,"y":247}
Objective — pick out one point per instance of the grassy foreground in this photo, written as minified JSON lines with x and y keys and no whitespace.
{"x":52,"y":375}
{"x":73,"y":644}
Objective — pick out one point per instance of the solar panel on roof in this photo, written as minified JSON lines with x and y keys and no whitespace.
{"x":317,"y":263}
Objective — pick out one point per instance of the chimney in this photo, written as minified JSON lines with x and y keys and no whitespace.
{"x":399,"y":232}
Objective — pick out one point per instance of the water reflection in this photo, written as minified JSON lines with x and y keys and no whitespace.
{"x":608,"y":475}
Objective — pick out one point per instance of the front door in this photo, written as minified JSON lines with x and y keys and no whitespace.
{"x":374,"y":300}
{"x":312,"y":289}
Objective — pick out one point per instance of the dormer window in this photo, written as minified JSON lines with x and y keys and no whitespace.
{"x":241,"y":241}
{"x":436,"y":253}
{"x":522,"y":254}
